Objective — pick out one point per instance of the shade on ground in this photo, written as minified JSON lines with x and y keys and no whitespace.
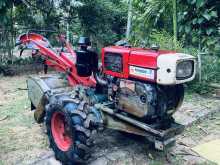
{"x":210,"y":150}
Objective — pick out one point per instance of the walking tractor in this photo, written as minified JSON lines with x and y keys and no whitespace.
{"x":134,"y":90}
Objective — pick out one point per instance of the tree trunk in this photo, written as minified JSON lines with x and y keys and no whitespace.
{"x":67,"y":32}
{"x":12,"y":34}
{"x":174,"y":24}
{"x":8,"y":46}
{"x":129,"y":20}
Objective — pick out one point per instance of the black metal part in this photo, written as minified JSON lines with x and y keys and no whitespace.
{"x":83,"y":61}
{"x":84,"y":41}
{"x":86,"y":62}
{"x":113,"y":62}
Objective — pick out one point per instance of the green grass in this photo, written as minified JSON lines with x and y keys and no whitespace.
{"x":20,"y":136}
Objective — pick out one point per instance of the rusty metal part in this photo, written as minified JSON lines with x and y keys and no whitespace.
{"x":41,"y":88}
{"x":160,"y":137}
{"x":39,"y":113}
{"x":99,"y":80}
{"x":134,"y":122}
{"x":136,"y":98}
{"x":90,"y":120}
{"x":116,"y":124}
{"x":129,"y":104}
{"x":36,"y":89}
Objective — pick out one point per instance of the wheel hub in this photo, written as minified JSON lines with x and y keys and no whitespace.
{"x":61,"y":131}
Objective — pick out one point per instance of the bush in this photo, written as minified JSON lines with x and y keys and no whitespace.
{"x":210,"y":74}
{"x":21,"y":61}
{"x":165,"y":40}
{"x":161,"y":38}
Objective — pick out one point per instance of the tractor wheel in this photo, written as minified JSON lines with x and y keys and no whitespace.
{"x":68,"y":137}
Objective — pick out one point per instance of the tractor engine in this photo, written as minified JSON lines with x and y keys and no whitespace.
{"x":148,"y":101}
{"x":146,"y":83}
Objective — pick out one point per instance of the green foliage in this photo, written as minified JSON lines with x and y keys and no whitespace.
{"x":4,"y":16}
{"x":153,"y":14}
{"x":210,"y":74}
{"x":210,"y":44}
{"x":199,"y":22}
{"x":198,"y":28}
{"x":39,"y":15}
{"x":104,"y":21}
{"x":23,"y":61}
{"x":20,"y":61}
{"x":165,"y":40}
{"x":161,"y":38}
{"x":210,"y":64}
{"x":211,"y":69}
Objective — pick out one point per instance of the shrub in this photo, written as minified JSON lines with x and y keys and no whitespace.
{"x":210,"y":74}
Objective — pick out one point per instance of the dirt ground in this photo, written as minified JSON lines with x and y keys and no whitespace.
{"x":22,"y":141}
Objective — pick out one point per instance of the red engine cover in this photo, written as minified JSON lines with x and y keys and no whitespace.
{"x":134,"y":60}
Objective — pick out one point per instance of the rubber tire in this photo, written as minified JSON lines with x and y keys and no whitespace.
{"x":76,"y":154}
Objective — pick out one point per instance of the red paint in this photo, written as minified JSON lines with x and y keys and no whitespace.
{"x":125,"y":55}
{"x":69,"y":60}
{"x":61,"y":138}
{"x":143,"y":58}
{"x":140,"y":57}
